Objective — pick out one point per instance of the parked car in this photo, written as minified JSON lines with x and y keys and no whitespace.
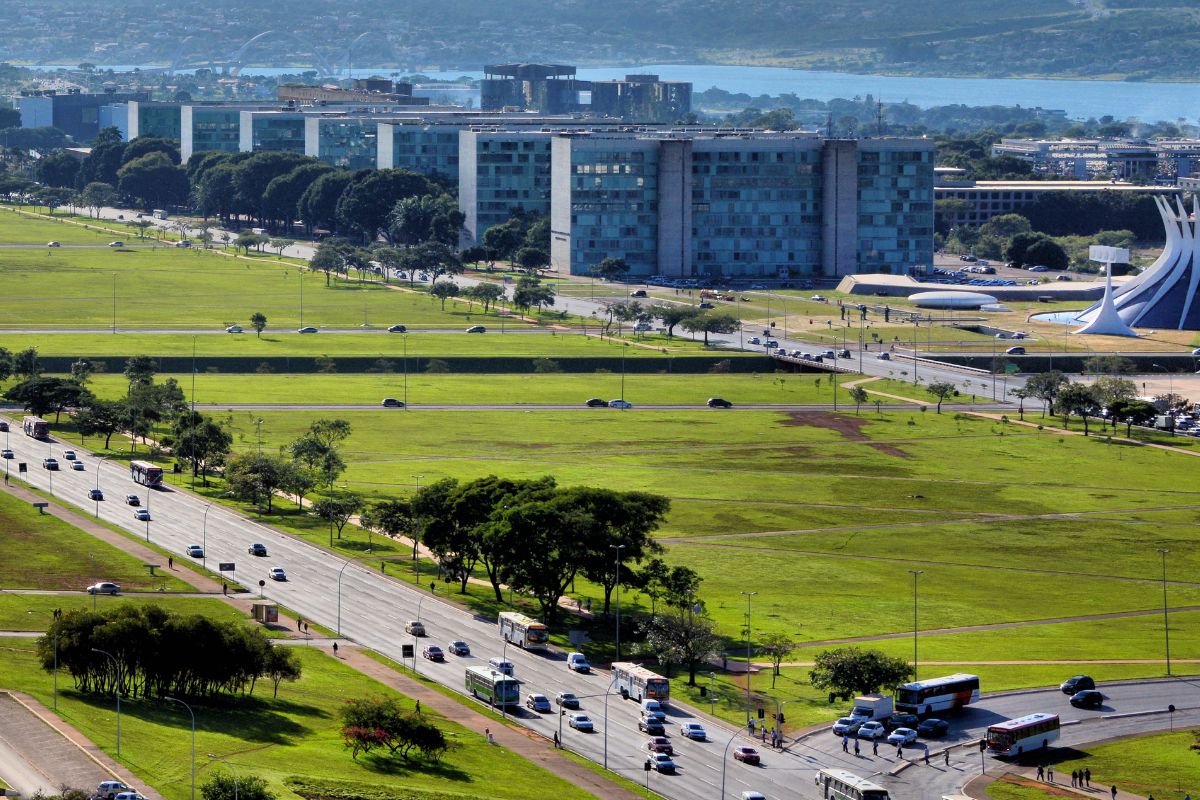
{"x":415,"y":627}
{"x":539,"y":703}
{"x":142,"y":515}
{"x":747,"y":755}
{"x":476,"y":329}
{"x":307,"y":329}
{"x":397,"y":329}
{"x":95,"y":494}
{"x":901,"y":721}
{"x":104,"y":588}
{"x":110,"y":789}
{"x":277,"y":574}
{"x":234,"y":329}
{"x":576,"y":662}
{"x":1088,"y":698}
{"x":459,"y":648}
{"x":902,"y":736}
{"x":1077,"y":684}
{"x":652,"y":726}
{"x":718,"y":402}
{"x":660,"y":744}
{"x":932,"y":728}
{"x":257,"y":549}
{"x":662,"y":763}
{"x":846,"y":726}
{"x":693,"y":730}
{"x":132,"y":500}
{"x":433,"y":653}
{"x":566,"y":700}
{"x":50,"y":464}
{"x":580,"y":722}
{"x":621,"y":404}
{"x":391,"y":402}
{"x":195,"y":551}
{"x":596,"y":402}
{"x":872,"y":729}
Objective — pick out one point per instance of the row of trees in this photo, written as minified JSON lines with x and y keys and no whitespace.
{"x":155,"y":652}
{"x":1111,"y":395}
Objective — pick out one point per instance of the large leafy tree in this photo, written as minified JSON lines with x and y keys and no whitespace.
{"x":426,"y":218}
{"x":848,"y":671}
{"x":97,"y":195}
{"x":673,"y":315}
{"x":58,"y":169}
{"x":710,"y":322}
{"x":253,"y":176}
{"x":255,"y":477}
{"x":338,"y":508}
{"x":622,"y":524}
{"x":319,"y":203}
{"x":145,"y":145}
{"x":394,"y":518}
{"x":41,"y":395}
{"x":102,"y":418}
{"x":681,"y":636}
{"x":530,"y":292}
{"x":1045,"y":386}
{"x":1080,"y":400}
{"x":281,"y":197}
{"x":154,"y":180}
{"x":371,"y":195}
{"x":200,"y":440}
{"x":435,"y":258}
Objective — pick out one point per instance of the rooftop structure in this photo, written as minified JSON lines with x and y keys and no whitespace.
{"x":1140,"y":160}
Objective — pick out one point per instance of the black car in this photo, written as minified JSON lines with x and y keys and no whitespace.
{"x":1088,"y":698}
{"x":95,"y":494}
{"x":652,"y":726}
{"x":717,"y":402}
{"x":1077,"y":684}
{"x":901,"y":721}
{"x":596,"y":402}
{"x":257,"y":549}
{"x":3,"y":427}
{"x":932,"y":728}
{"x":398,"y":329}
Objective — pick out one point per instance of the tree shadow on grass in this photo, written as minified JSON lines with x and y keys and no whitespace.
{"x":396,"y":765}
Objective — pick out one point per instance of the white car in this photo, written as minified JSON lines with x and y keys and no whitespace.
{"x":116,"y":244}
{"x":234,"y":329}
{"x":846,"y":726}
{"x":141,"y":515}
{"x":53,"y":244}
{"x":872,"y":730}
{"x":69,"y":455}
{"x":277,"y":574}
{"x":580,"y":722}
{"x":195,"y":551}
{"x":902,"y":736}
{"x":77,"y":466}
{"x":104,"y":588}
{"x":693,"y":730}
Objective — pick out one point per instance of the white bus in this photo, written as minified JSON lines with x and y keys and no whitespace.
{"x":145,"y":473}
{"x":523,"y":631}
{"x":634,"y":680}
{"x":1014,"y":737}
{"x":938,"y":694}
{"x":838,"y":784}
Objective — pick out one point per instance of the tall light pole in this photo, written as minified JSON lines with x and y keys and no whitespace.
{"x":339,"y":594}
{"x":748,"y":596}
{"x":114,"y":324}
{"x":1170,"y":378}
{"x":607,"y":692}
{"x":1162,"y":551}
{"x":193,"y":715}
{"x":404,"y":338}
{"x":204,"y":537}
{"x":193,"y":419}
{"x":725,"y":757}
{"x":618,"y":548}
{"x":96,"y":494}
{"x":915,"y":573}
{"x":118,"y":689}
{"x":55,"y":626}
{"x":216,"y":757}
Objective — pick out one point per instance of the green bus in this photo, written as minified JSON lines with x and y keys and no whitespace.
{"x":495,"y":687}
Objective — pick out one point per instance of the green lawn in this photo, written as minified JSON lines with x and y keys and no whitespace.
{"x":1165,"y":765}
{"x":31,"y":230}
{"x":32,"y":612}
{"x":571,"y":388}
{"x":294,"y":738}
{"x":1013,"y":788}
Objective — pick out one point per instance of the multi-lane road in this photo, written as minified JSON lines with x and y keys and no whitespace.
{"x":371,"y":609}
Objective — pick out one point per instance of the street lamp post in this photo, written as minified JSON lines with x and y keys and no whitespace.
{"x":404,"y":338}
{"x":618,"y":548}
{"x":96,"y":494}
{"x":204,"y":538}
{"x":712,"y":694}
{"x":193,"y":715}
{"x":915,"y":573}
{"x":748,"y":596}
{"x":339,"y":597}
{"x":1162,"y":551}
{"x":118,"y":690}
{"x":725,"y":759}
{"x":1170,"y":378}
{"x":216,"y":757}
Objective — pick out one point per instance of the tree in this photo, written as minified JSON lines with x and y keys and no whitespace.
{"x":338,"y":509}
{"x":1110,"y":364}
{"x":82,"y":371}
{"x":547,"y":552}
{"x":279,"y":245}
{"x":255,"y":477}
{"x":849,"y":671}
{"x":253,"y":176}
{"x":612,"y":269}
{"x":282,"y":665}
{"x":224,"y":785}
{"x":623,"y":520}
{"x":318,"y":205}
{"x":154,"y":180}
{"x":380,"y":722}
{"x":394,"y":518}
{"x":1021,"y":393}
{"x":1109,"y":390}
{"x":282,"y":198}
{"x":486,"y":293}
{"x":26,"y":364}
{"x":258,"y":321}
{"x":681,"y":636}
{"x":200,"y":440}
{"x":39,"y":396}
{"x":532,"y":259}
{"x":1080,"y":400}
{"x":97,"y":417}
{"x":216,"y":191}
{"x":711,"y":322}
{"x":371,"y":195}
{"x":329,"y":257}
{"x":58,"y":169}
{"x":140,"y":369}
{"x":506,"y":238}
{"x":145,"y":145}
{"x":1045,"y":387}
{"x":1133,"y":412}
{"x":530,"y":292}
{"x":776,"y":645}
{"x":435,"y":258}
{"x":1047,"y":252}
{"x":673,"y":315}
{"x":248,"y":239}
{"x":859,"y":395}
{"x":942,"y":391}
{"x":426,"y":218}
{"x":444,"y":291}
{"x":97,"y":195}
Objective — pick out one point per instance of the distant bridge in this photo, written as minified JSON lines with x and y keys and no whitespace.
{"x":195,"y":52}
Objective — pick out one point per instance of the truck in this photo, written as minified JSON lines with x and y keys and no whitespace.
{"x":872,"y":707}
{"x":161,"y":213}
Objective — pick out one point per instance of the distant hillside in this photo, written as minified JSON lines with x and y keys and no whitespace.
{"x":1140,"y":39}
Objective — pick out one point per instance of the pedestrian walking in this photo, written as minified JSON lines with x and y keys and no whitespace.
{"x":874,"y":747}
{"x":1050,"y":773}
{"x":418,"y":706}
{"x":762,"y":730}
{"x":1114,"y":792}
{"x":1041,"y":773}
{"x":170,"y":562}
{"x":224,"y":588}
{"x":946,"y":753}
{"x":750,"y":725}
{"x":856,"y":751}
{"x":900,"y":751}
{"x":335,"y":649}
{"x":1087,"y":779}
{"x":300,"y":623}
{"x":1074,"y":778}
{"x":927,"y":755}
{"x":845,"y":744}
{"x":306,"y":627}
{"x":556,"y":740}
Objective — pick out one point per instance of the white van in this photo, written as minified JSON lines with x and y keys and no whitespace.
{"x":501,"y":665}
{"x":577,"y":663}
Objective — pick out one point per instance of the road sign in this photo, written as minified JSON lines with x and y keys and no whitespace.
{"x":406,"y":651}
{"x":225,"y":566}
{"x":22,"y":467}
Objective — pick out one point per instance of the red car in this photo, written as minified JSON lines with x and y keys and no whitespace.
{"x":433,"y":653}
{"x":746,"y":754}
{"x":660,"y":744}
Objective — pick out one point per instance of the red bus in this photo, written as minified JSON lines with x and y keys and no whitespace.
{"x":145,"y":473}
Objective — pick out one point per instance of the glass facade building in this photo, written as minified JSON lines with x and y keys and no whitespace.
{"x":348,"y":142}
{"x":274,"y":132}
{"x":895,"y":207}
{"x":210,"y":128}
{"x":427,"y":149}
{"x":500,"y":172}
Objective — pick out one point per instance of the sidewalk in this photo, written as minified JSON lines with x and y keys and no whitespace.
{"x":1061,"y":785}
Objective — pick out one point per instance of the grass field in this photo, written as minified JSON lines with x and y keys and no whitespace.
{"x":1164,"y":765}
{"x":425,"y":388}
{"x":31,"y":230}
{"x":1011,"y":787}
{"x":293,"y":738}
{"x":33,"y":612}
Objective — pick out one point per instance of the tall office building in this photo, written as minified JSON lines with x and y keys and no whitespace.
{"x":501,"y":172}
{"x":642,"y":98}
{"x":548,"y":88}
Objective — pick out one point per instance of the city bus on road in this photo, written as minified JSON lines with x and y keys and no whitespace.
{"x":938,"y":694}
{"x":145,"y":473}
{"x":35,"y":427}
{"x":1023,"y":734}
{"x":634,"y":680}
{"x":523,"y":631}
{"x":838,"y":784}
{"x":496,"y":688}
